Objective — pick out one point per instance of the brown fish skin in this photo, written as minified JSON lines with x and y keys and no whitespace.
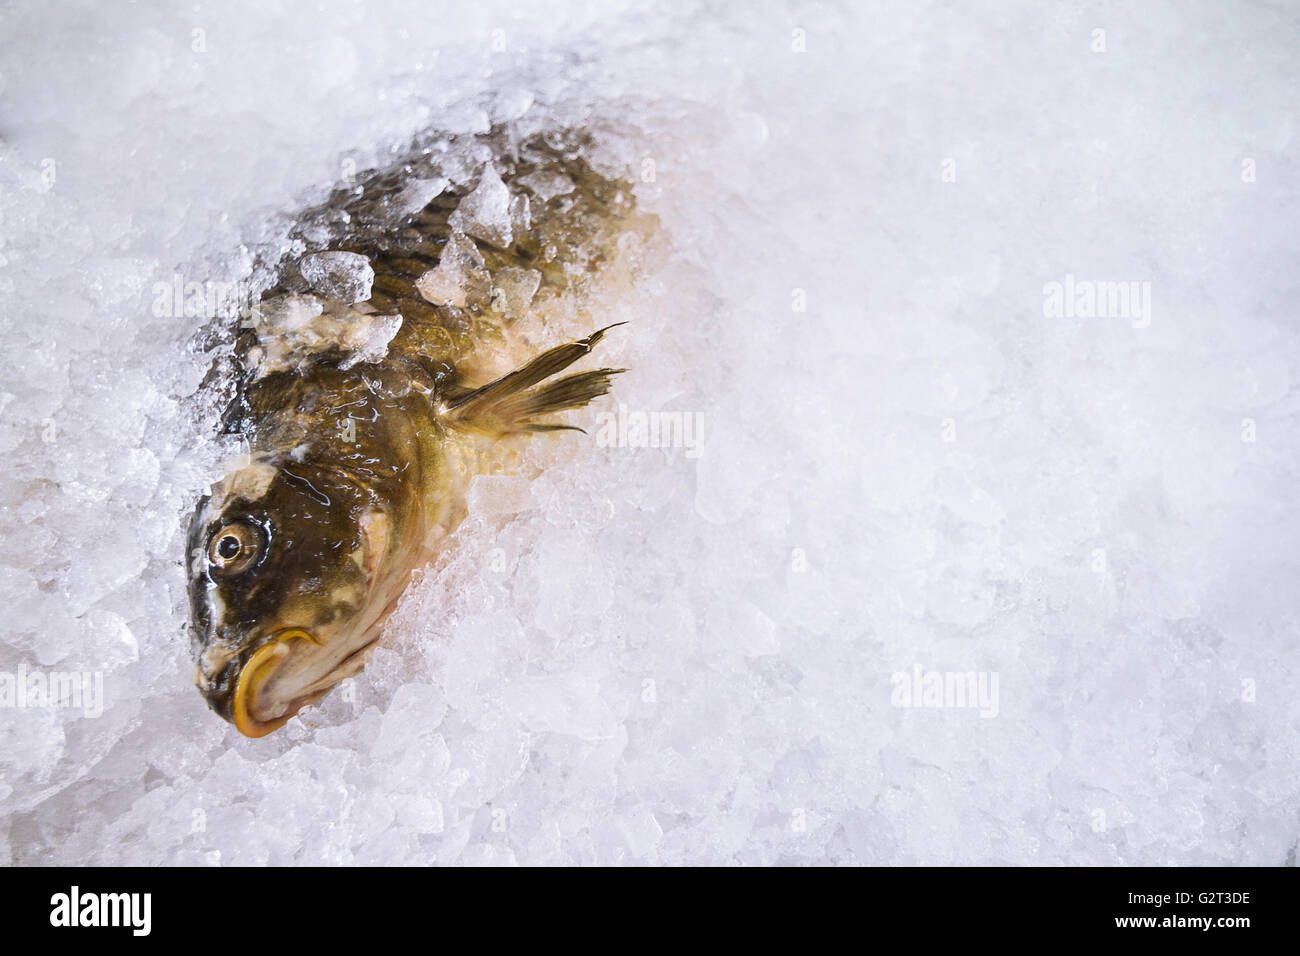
{"x":360,"y":461}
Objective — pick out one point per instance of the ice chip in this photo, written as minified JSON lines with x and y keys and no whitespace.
{"x":514,"y":288}
{"x":521,"y":216}
{"x":110,"y":642}
{"x":292,"y":328}
{"x":418,"y":194}
{"x":368,"y":337}
{"x":286,"y":313}
{"x":346,"y":276}
{"x":512,"y":103}
{"x":460,"y":279}
{"x":485,"y":212}
{"x":547,"y":184}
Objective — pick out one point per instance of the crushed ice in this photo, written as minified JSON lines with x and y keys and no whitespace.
{"x":630,"y":654}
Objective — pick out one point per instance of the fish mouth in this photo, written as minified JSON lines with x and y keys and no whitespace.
{"x":257,"y":708}
{"x":296,"y":666}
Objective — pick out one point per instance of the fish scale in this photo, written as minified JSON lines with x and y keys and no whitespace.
{"x":566,"y":242}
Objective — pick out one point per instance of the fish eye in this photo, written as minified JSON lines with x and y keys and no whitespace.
{"x":235,"y":546}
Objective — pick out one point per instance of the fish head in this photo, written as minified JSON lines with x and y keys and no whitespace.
{"x":289,"y":584}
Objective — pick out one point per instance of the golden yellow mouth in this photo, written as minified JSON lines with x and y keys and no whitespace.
{"x":261,"y":665}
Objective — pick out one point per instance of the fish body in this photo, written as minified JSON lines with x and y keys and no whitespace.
{"x":414,"y":341}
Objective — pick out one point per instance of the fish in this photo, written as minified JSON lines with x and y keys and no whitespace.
{"x":423,"y":326}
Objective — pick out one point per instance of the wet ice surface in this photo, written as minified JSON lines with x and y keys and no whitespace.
{"x":912,"y":459}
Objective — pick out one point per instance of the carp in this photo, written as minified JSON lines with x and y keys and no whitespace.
{"x":423,"y":325}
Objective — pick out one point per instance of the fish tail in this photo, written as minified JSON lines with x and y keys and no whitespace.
{"x":512,"y":404}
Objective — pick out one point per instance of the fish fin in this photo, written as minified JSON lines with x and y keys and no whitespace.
{"x":511,"y":403}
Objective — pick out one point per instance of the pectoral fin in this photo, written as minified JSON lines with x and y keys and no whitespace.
{"x":512,"y":403}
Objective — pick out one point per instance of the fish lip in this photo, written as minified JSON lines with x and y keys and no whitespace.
{"x":254,"y":671}
{"x":262,"y":663}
